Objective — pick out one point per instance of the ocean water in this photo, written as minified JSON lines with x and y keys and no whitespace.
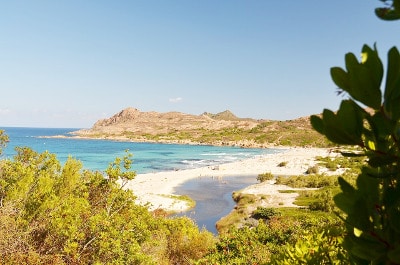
{"x":212,"y":195}
{"x":148,"y":157}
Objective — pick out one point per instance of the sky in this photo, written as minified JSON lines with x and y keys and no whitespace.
{"x":69,"y":63}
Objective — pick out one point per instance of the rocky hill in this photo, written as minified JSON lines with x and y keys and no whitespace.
{"x":134,"y":121}
{"x":223,"y":128}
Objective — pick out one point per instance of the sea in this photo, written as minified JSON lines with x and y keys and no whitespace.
{"x":213,"y":196}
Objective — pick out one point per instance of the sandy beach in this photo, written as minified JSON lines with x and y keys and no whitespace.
{"x":157,"y":189}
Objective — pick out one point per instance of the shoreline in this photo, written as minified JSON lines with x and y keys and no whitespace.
{"x":157,"y":189}
{"x":242,"y":144}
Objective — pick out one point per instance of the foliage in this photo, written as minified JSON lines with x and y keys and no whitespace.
{"x":319,"y":241}
{"x":239,"y":246}
{"x":341,"y":162}
{"x":265,"y":176}
{"x":307,"y":181}
{"x":240,"y":212}
{"x":390,"y":12}
{"x":3,"y":140}
{"x":314,"y":248}
{"x":270,"y":242}
{"x":62,"y":214}
{"x":265,"y":213}
{"x":324,"y":201}
{"x":312,"y":170}
{"x":372,"y":206}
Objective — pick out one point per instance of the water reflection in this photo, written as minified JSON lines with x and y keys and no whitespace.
{"x":213,"y":196}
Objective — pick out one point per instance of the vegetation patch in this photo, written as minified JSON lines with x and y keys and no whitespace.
{"x":288,"y":191}
{"x":265,"y":213}
{"x":282,"y":164}
{"x":307,"y":181}
{"x":265,"y":176}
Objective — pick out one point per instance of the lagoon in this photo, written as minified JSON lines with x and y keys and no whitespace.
{"x":213,"y":196}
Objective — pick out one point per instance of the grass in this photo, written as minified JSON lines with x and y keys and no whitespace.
{"x":240,"y":213}
{"x":190,"y":202}
{"x":288,"y":191}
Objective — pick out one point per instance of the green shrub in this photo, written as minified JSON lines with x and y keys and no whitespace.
{"x":313,"y":170}
{"x":265,"y":213}
{"x":265,"y":176}
{"x":282,"y":164}
{"x":309,"y":181}
{"x":324,"y":201}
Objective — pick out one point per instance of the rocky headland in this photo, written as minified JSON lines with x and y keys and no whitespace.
{"x":223,"y":128}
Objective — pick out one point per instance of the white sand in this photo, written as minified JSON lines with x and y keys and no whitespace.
{"x":156,"y":189}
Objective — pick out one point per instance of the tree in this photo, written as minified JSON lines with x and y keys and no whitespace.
{"x":370,"y":120}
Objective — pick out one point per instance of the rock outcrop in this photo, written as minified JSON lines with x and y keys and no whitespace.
{"x":136,"y":122}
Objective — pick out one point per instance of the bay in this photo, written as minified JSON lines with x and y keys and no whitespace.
{"x":148,"y":157}
{"x":212,"y":195}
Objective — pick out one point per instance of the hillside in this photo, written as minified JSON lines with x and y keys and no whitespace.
{"x":223,"y":128}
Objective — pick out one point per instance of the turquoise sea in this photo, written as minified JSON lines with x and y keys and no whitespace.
{"x":213,"y":198}
{"x":148,"y":157}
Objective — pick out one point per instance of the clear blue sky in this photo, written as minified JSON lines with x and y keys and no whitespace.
{"x":68,"y":63}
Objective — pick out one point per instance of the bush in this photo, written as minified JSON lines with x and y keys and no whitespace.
{"x":53,"y":214}
{"x":313,"y":170}
{"x":282,"y":164}
{"x":311,"y":181}
{"x":265,"y":213}
{"x":265,"y":176}
{"x":324,"y":201}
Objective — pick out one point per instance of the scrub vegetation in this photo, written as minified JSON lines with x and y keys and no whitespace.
{"x":62,"y":214}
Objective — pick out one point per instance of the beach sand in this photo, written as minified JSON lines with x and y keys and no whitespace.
{"x":157,"y":189}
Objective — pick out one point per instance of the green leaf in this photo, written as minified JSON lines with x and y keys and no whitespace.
{"x":381,"y":128}
{"x":392,"y":93}
{"x":340,"y":78}
{"x":376,"y":172}
{"x":393,"y":73}
{"x":394,"y":216}
{"x":362,"y":80}
{"x":345,"y":200}
{"x":394,"y":255}
{"x":350,"y":119}
{"x":351,"y":61}
{"x":335,"y":131}
{"x":363,"y":87}
{"x":368,"y":188}
{"x":374,"y":64}
{"x":345,"y":186}
{"x":381,"y":160}
{"x":387,"y":14}
{"x":317,"y":123}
